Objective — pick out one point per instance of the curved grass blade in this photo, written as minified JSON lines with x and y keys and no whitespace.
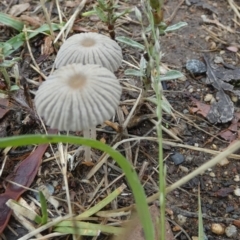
{"x":129,"y":171}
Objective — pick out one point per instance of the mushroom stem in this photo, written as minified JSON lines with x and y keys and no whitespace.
{"x":87,"y":150}
{"x":93,"y":133}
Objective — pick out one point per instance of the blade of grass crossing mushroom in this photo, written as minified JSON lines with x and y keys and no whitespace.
{"x":131,"y":175}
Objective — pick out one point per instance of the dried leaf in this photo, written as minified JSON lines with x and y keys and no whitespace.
{"x":232,"y":49}
{"x":222,"y":110}
{"x":228,"y":135}
{"x":24,"y":174}
{"x":47,"y":46}
{"x":223,"y":192}
{"x":201,"y":108}
{"x":18,"y":9}
{"x":134,"y":229}
{"x":33,"y":21}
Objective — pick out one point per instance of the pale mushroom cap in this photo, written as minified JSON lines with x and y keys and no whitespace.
{"x":77,"y":97}
{"x":90,"y":48}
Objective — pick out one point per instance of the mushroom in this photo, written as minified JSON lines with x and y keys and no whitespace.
{"x":90,"y":48}
{"x":78,"y":97}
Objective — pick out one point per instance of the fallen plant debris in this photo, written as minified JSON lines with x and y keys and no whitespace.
{"x":222,"y":110}
{"x":22,"y":177}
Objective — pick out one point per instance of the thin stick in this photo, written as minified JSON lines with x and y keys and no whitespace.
{"x":44,"y":227}
{"x":234,"y":147}
{"x":69,"y":24}
{"x":63,"y":161}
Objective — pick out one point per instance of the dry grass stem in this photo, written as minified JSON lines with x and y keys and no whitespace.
{"x":44,"y":227}
{"x":47,"y":16}
{"x":234,"y":7}
{"x":234,"y":147}
{"x":70,"y":22}
{"x":26,"y":223}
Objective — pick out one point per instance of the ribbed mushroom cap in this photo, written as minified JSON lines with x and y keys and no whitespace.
{"x":90,"y":48}
{"x":77,"y":97}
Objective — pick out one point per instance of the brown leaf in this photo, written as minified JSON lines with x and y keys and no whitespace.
{"x":223,"y":192}
{"x":47,"y":48}
{"x":24,"y":174}
{"x":134,"y":229}
{"x":18,"y":9}
{"x":201,"y":108}
{"x":33,"y":21}
{"x":228,"y":135}
{"x":236,"y":223}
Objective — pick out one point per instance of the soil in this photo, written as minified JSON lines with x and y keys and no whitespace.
{"x":220,"y":204}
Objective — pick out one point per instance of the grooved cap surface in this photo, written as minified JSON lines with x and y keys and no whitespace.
{"x":90,"y":48}
{"x":78,"y":97}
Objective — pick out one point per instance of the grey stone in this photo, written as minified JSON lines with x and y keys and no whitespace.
{"x":177,"y":158}
{"x":196,"y":67}
{"x":231,"y":231}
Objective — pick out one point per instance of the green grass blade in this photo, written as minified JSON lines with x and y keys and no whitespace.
{"x":100,"y":205}
{"x":17,"y":41}
{"x":11,"y":21}
{"x":73,"y":226}
{"x":130,"y":42}
{"x":128,"y":169}
{"x":78,"y":231}
{"x":43,"y":208}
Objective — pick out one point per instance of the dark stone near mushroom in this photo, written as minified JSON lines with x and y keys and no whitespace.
{"x":177,"y":158}
{"x":196,"y":67}
{"x":229,"y":209}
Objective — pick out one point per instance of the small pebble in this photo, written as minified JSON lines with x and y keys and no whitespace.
{"x":236,"y":178}
{"x":185,"y":111}
{"x":229,"y":209}
{"x":237,"y":192}
{"x":176,"y":228}
{"x":195,"y":66}
{"x":188,"y":3}
{"x":217,"y":228}
{"x":177,"y":158}
{"x":214,"y":147}
{"x":190,"y":90}
{"x":184,"y":169}
{"x":47,"y":154}
{"x":212,"y":174}
{"x":213,"y":100}
{"x":208,"y":97}
{"x":231,"y":231}
{"x":195,"y":238}
{"x":234,"y":98}
{"x":218,"y":59}
{"x":224,"y":162}
{"x":189,"y":158}
{"x":181,"y":220}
